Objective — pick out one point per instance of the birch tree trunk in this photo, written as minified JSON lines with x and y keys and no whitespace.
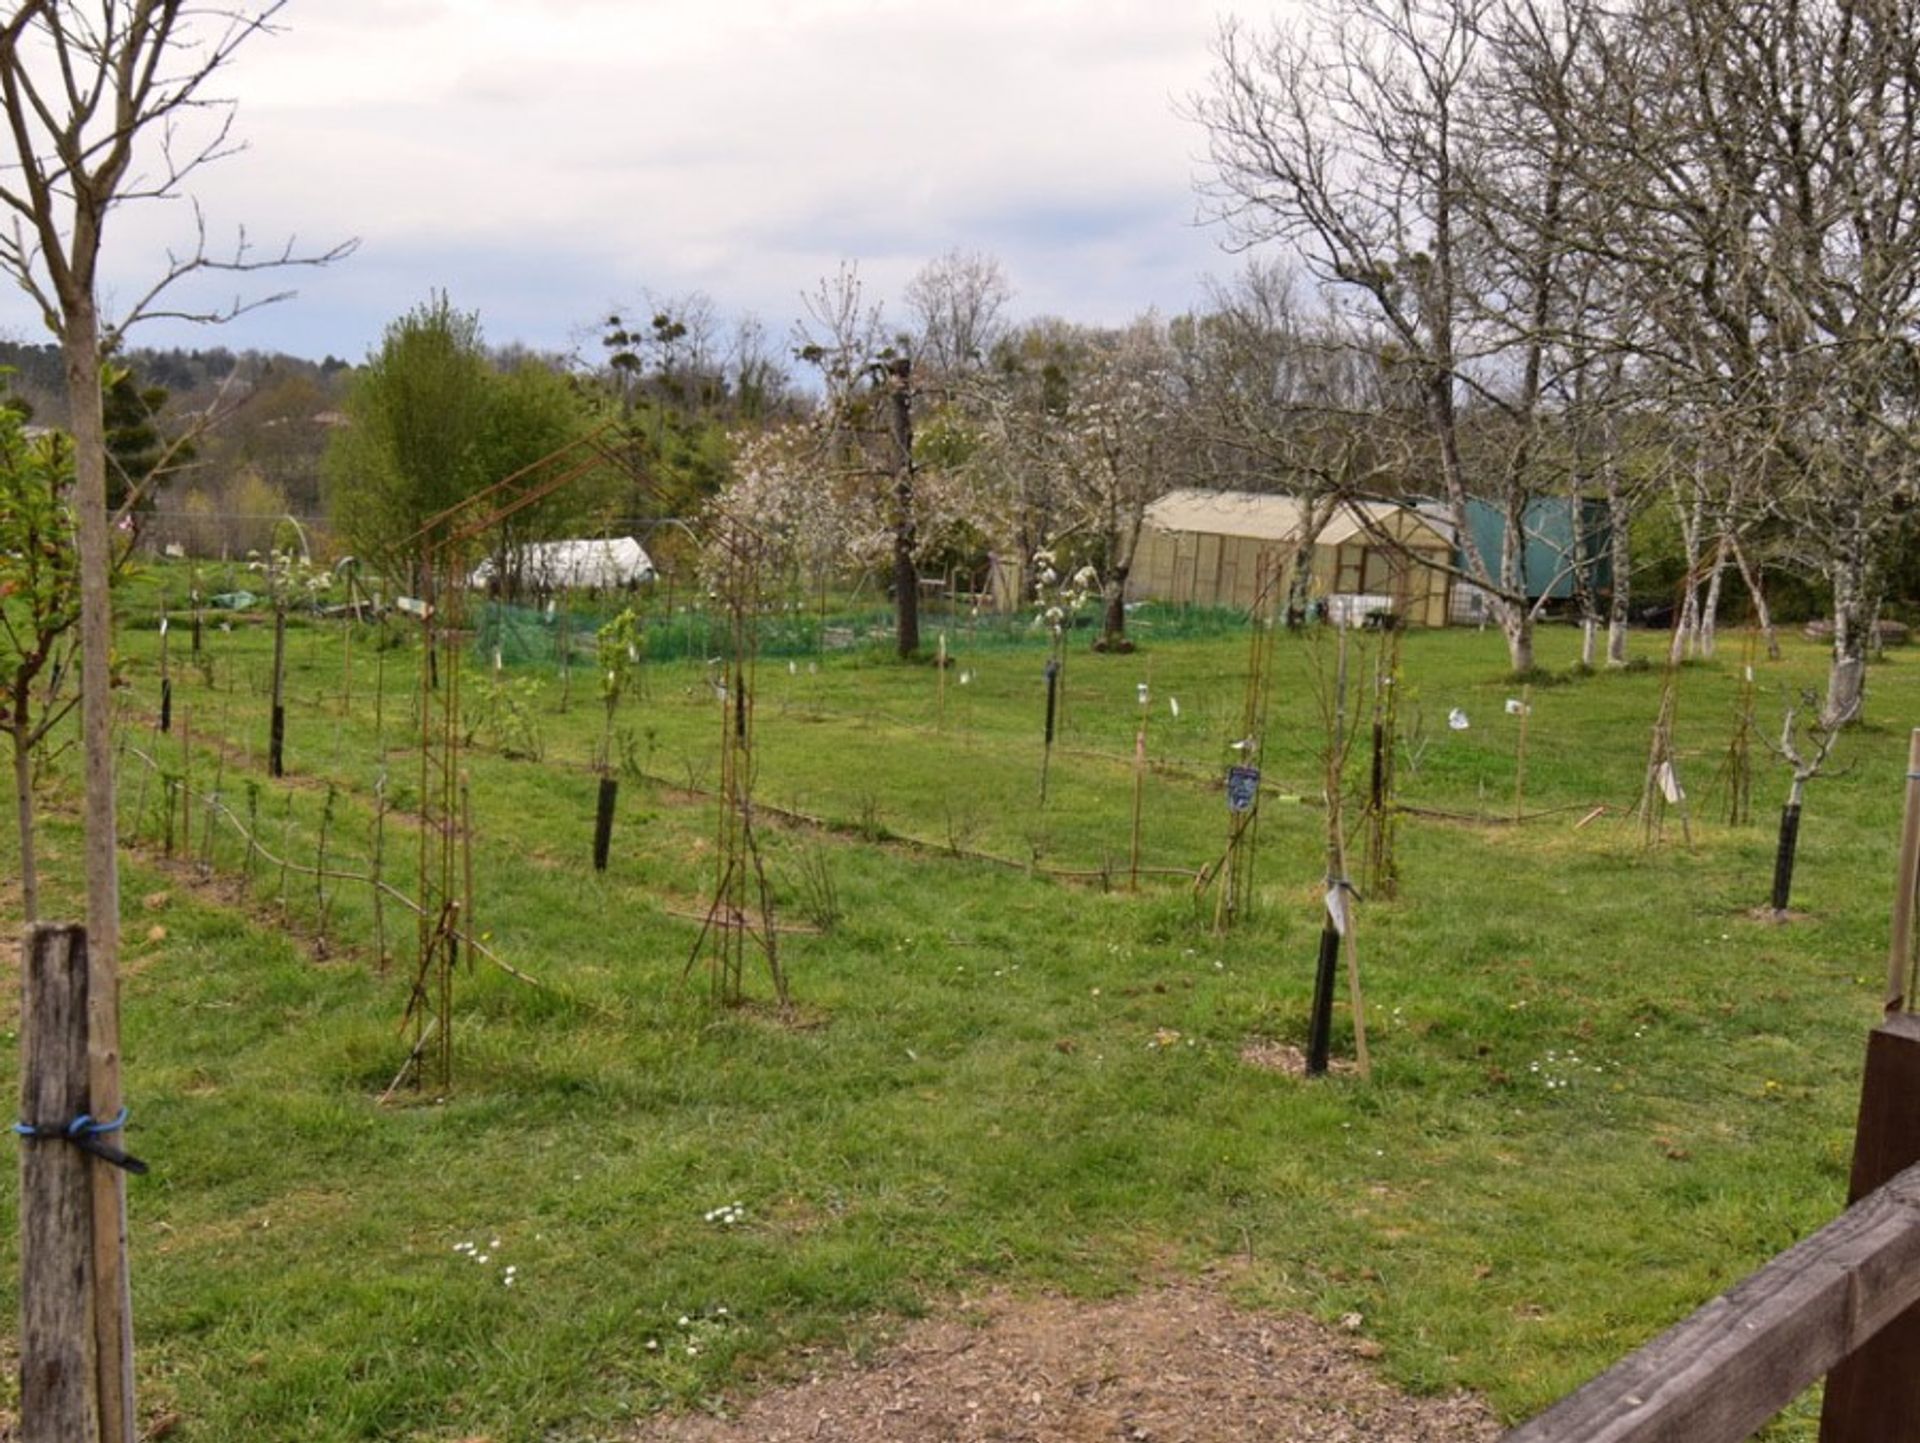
{"x":1693,"y":519}
{"x":1710,"y":608}
{"x":1853,"y":602}
{"x":1620,"y":563}
{"x":1762,"y":612}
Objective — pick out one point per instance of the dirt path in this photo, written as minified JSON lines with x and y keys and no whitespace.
{"x":1176,"y":1365}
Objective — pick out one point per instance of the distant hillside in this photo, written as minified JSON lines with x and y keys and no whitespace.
{"x":192,"y":377}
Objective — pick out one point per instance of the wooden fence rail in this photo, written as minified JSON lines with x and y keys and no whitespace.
{"x":1721,"y":1374}
{"x":1844,"y":1304}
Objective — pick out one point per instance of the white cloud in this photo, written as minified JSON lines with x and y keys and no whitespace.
{"x":543,"y":158}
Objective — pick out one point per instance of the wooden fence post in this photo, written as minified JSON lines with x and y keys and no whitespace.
{"x":58,"y":1358}
{"x":1874,"y":1395}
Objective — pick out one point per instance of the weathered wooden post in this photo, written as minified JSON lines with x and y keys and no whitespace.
{"x":1874,"y":1395}
{"x":65,"y":1295}
{"x":57,"y":1351}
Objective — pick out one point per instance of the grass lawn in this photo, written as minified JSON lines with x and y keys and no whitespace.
{"x":1601,"y":1092}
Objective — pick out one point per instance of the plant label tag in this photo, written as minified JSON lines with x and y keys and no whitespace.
{"x":1243,"y":788}
{"x":1670,"y":787}
{"x":163,"y":626}
{"x":1337,"y":908}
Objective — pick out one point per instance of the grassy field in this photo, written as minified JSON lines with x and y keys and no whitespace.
{"x":1601,"y":1092}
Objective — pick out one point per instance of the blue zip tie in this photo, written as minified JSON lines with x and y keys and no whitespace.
{"x":83,"y":1132}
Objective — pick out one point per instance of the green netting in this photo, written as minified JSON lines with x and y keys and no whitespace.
{"x":536,"y":636}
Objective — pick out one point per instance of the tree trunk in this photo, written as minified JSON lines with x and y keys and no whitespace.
{"x":23,"y":809}
{"x":1847,"y":676}
{"x":1300,"y":576}
{"x":906,"y":576}
{"x":1620,"y":559}
{"x":1113,"y":623}
{"x":81,"y":354}
{"x":1710,"y":608}
{"x":1299,"y":587}
{"x":1693,"y":519}
{"x":1762,"y":613}
{"x":1518,"y":626}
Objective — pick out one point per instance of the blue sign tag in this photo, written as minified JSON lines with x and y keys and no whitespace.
{"x":1243,"y":788}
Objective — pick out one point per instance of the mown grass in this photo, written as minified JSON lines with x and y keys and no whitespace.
{"x":1601,"y":1090}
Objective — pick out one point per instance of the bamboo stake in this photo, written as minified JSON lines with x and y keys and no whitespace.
{"x":1520,"y":754}
{"x":468,"y":916}
{"x":286,"y":852}
{"x":186,"y":779}
{"x":1903,"y":970}
{"x":206,"y":828}
{"x":320,"y":866}
{"x":375,"y":865}
{"x":1139,"y":777}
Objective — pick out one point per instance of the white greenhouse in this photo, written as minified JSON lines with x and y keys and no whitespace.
{"x":616,"y":563}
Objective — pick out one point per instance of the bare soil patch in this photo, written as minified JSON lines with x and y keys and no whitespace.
{"x":1174,"y":1365}
{"x":1283,"y":1057}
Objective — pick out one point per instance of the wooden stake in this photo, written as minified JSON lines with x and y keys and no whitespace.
{"x":1139,"y":786}
{"x":1520,"y":754}
{"x":1357,"y":1001}
{"x":186,"y":781}
{"x":206,"y":830}
{"x":379,"y":857}
{"x":470,"y":922}
{"x":379,"y":696}
{"x":1900,"y":955}
{"x":60,"y":1367}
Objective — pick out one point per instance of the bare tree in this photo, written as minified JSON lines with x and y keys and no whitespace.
{"x":1015,"y":416}
{"x":1281,"y":399}
{"x":958,"y":303}
{"x":1357,"y":138}
{"x":1765,"y":175}
{"x":1119,"y":421}
{"x":107,"y":103}
{"x":842,"y":337}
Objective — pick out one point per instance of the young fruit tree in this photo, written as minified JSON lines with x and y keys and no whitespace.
{"x":39,"y":607}
{"x":106,"y":102}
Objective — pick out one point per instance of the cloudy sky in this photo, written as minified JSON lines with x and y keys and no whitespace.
{"x":546,"y":160}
